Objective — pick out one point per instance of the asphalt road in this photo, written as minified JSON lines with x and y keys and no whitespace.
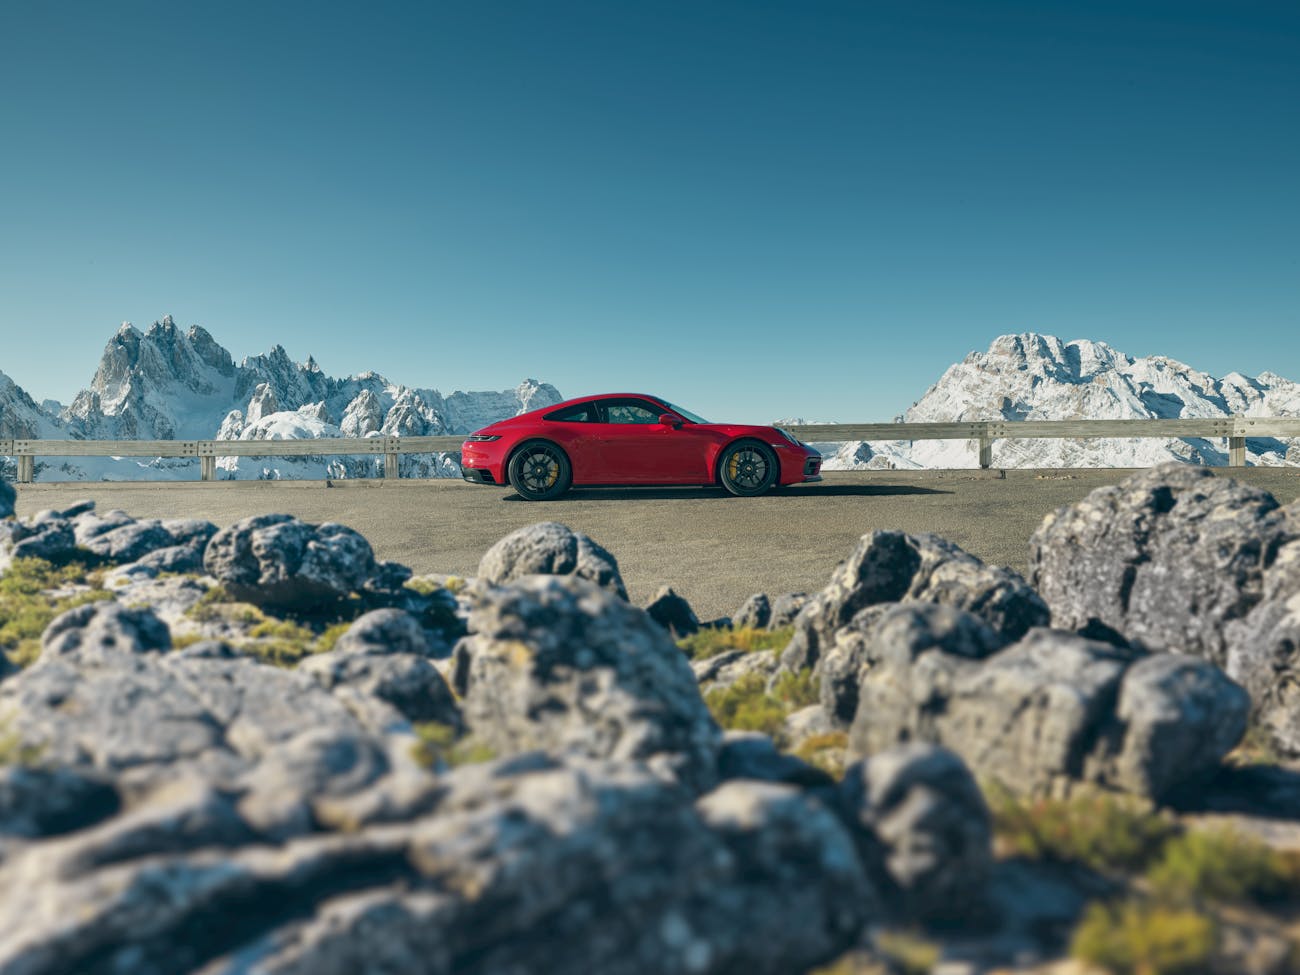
{"x":712,"y":548}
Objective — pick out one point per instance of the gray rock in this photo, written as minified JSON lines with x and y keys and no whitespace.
{"x":51,"y":539}
{"x":808,"y":722}
{"x":1167,"y":557}
{"x":723,"y":669}
{"x":1056,"y":709}
{"x":923,"y":813}
{"x":752,"y":755}
{"x":549,"y":548}
{"x":559,"y":664}
{"x":891,"y":566}
{"x":88,"y":524}
{"x":78,"y":508}
{"x":384,"y":631}
{"x":895,"y":634}
{"x":130,"y":541}
{"x":519,"y":866}
{"x":1177,"y":717}
{"x":45,"y":802}
{"x":280,"y":562}
{"x":8,"y":497}
{"x":755,"y":612}
{"x":1264,"y":650}
{"x":786,"y":608}
{"x":407,"y":683}
{"x":673,"y":613}
{"x":90,"y":631}
{"x":805,"y":888}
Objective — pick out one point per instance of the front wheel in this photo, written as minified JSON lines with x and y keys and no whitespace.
{"x":747,"y":469}
{"x":539,"y":471}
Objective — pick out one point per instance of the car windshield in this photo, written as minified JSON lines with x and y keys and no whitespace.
{"x":693,"y":417}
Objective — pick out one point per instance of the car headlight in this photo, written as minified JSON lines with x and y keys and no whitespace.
{"x":481,"y":438}
{"x":789,"y":436}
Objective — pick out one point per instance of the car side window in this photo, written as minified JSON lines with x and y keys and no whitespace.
{"x":630,"y":411}
{"x":574,"y":414}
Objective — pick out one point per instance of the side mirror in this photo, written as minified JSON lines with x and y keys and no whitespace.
{"x":671,"y":420}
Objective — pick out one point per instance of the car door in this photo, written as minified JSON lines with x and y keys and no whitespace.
{"x":637,"y":449}
{"x":575,"y":429}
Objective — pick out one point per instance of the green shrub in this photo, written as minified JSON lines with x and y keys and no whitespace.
{"x":1220,"y":864}
{"x":27,"y":606}
{"x":710,"y":642}
{"x":1138,"y":938}
{"x":1102,"y":831}
{"x":746,"y":705}
{"x":440,"y":746}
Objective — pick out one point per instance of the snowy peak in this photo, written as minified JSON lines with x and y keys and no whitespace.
{"x":1041,"y":377}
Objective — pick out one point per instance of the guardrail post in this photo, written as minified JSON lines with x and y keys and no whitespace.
{"x":986,"y":451}
{"x":26,"y":468}
{"x":390,"y":466}
{"x":208,"y":468}
{"x":1236,"y":451}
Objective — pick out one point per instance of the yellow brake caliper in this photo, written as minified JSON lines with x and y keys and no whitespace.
{"x":733,"y":465}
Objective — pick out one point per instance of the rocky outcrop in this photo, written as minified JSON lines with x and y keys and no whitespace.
{"x":925,"y":818}
{"x":891,"y":566}
{"x":1055,"y":709}
{"x":1263,"y":649}
{"x":755,"y":612}
{"x":671,"y":611}
{"x":281,"y":562}
{"x":1168,"y":557}
{"x":549,"y":548}
{"x":46,"y":535}
{"x":559,"y":664}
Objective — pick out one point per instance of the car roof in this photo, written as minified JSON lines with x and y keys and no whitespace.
{"x":598,"y":396}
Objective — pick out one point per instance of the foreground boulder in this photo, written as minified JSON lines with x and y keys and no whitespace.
{"x":1167,"y":558}
{"x":559,"y":664}
{"x":285,"y":564}
{"x":1264,"y":650}
{"x":549,"y":548}
{"x":892,"y":566}
{"x":926,"y":819}
{"x":8,"y":497}
{"x":46,"y":535}
{"x":523,"y":866}
{"x":1054,"y":709}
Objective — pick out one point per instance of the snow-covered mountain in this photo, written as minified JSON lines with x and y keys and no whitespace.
{"x":1040,"y":377}
{"x":167,"y":383}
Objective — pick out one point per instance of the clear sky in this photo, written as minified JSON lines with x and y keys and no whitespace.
{"x":753,"y":208}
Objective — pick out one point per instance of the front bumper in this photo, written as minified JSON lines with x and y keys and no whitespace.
{"x":477,"y":475}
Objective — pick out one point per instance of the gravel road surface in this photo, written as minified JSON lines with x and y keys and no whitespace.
{"x":712,"y":548}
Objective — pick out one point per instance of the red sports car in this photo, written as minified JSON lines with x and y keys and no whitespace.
{"x":631,"y":439}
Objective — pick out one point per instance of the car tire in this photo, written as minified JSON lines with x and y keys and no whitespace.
{"x":539,"y":471}
{"x":747,"y":468}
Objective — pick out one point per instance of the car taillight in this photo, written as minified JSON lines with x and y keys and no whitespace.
{"x":480,"y":438}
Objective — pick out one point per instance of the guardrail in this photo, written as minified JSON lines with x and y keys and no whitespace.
{"x":1234,"y":429}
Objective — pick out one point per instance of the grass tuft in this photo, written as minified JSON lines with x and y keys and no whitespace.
{"x":1108,"y":833}
{"x":1222,"y":865}
{"x":27,"y":603}
{"x":709,"y":643}
{"x":439,"y":746}
{"x":1140,"y":938}
{"x":747,"y":705}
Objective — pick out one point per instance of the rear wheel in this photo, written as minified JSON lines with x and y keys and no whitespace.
{"x":747,"y":468}
{"x":539,"y":471}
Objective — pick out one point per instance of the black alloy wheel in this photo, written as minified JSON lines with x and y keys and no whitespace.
{"x":539,"y":471}
{"x":747,"y":468}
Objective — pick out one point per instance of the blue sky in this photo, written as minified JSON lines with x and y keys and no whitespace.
{"x":756,"y":209}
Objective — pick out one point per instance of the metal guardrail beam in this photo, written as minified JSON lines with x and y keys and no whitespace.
{"x":1234,"y":429}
